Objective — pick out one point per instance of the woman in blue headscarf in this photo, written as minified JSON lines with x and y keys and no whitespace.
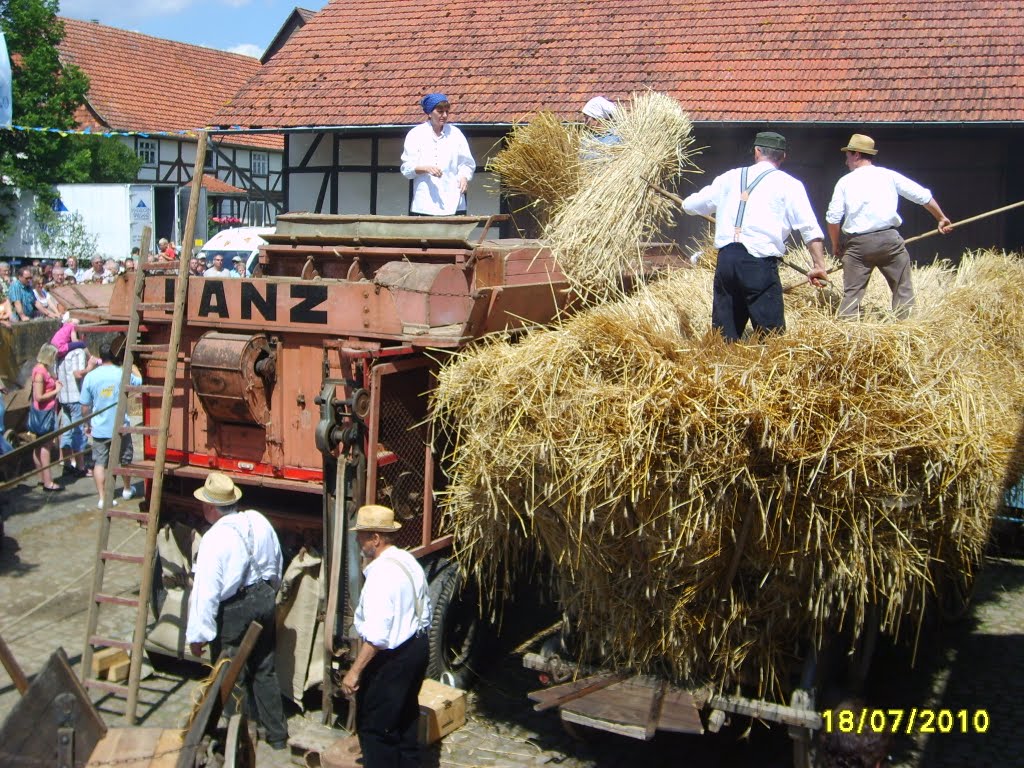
{"x":437,"y":158}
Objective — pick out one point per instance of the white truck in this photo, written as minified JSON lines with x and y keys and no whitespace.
{"x":112,"y":214}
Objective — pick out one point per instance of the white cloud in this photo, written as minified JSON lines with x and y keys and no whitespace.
{"x":246,"y":49}
{"x":105,"y":11}
{"x":235,"y":3}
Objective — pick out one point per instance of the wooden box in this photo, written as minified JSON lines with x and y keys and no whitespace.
{"x":442,"y":710}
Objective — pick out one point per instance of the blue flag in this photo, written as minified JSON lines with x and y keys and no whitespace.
{"x":6,"y":103}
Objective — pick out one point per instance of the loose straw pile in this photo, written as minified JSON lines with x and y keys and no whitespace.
{"x":628,"y":450}
{"x":597,"y":236}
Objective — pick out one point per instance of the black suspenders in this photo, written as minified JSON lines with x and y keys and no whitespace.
{"x":744,"y":196}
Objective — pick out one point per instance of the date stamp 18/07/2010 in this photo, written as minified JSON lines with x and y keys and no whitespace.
{"x":909,"y":721}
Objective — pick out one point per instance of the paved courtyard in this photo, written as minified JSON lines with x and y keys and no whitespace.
{"x":976,"y":664}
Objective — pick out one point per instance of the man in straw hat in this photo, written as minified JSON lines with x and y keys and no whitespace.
{"x":756,"y":208}
{"x":235,"y":582}
{"x":392,"y":619}
{"x":865,"y":202}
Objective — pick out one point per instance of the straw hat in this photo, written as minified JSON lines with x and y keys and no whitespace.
{"x":218,"y":490}
{"x":861,"y":143}
{"x":374,"y":517}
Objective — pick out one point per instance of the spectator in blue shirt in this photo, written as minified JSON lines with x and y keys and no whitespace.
{"x":23,"y":300}
{"x":100,"y":388}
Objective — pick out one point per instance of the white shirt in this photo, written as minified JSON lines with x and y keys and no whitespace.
{"x":89,"y":275}
{"x":214,"y":272}
{"x":865,"y":199}
{"x":449,"y":152}
{"x":75,"y":360}
{"x":223,"y":567}
{"x":777,"y":206}
{"x":386,"y":614}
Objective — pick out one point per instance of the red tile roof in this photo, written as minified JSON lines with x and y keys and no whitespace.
{"x":215,"y":186}
{"x":367,"y":62}
{"x":143,"y":83}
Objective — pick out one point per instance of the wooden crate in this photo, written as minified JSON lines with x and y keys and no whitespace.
{"x":442,"y":710}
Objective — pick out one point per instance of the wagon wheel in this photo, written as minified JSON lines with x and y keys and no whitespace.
{"x":954,"y":594}
{"x":456,"y":633}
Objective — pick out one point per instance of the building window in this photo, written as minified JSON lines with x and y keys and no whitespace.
{"x":146,"y":150}
{"x":210,"y":160}
{"x":258,"y":164}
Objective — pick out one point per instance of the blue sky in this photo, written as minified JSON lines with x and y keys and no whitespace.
{"x":240,"y":26}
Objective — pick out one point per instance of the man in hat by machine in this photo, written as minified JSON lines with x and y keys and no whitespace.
{"x":864,"y":202}
{"x":756,"y":208}
{"x":392,"y":619}
{"x":235,"y":581}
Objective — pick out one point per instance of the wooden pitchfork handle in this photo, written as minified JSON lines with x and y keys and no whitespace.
{"x":953,"y":225}
{"x":679,"y":203}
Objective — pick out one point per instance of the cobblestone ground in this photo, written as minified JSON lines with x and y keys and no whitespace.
{"x":977,"y":664}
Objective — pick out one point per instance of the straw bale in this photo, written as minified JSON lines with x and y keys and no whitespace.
{"x":540,"y":159}
{"x":597,"y":236}
{"x":627,"y":449}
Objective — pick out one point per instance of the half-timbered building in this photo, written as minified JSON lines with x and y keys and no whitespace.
{"x":940,"y":86}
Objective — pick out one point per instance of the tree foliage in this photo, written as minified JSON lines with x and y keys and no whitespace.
{"x":67,"y":235}
{"x":46,"y":93}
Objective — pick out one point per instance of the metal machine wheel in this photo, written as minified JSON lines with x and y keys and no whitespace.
{"x":456,"y":637}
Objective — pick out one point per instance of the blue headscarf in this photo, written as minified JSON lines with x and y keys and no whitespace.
{"x":431,"y":100}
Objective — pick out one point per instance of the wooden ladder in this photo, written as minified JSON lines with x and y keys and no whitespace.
{"x":150,"y":519}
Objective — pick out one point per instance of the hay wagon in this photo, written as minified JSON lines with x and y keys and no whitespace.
{"x":306,"y":383}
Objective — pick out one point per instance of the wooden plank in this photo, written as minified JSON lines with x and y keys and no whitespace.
{"x":105,"y":658}
{"x":127,"y":747}
{"x":54,"y":699}
{"x":167,"y":749}
{"x":560,"y":694}
{"x":680,"y":713}
{"x":623,"y":708}
{"x":12,"y":667}
{"x":654,"y":715}
{"x":118,"y":671}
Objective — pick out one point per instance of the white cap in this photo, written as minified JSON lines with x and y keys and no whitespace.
{"x":598,"y":108}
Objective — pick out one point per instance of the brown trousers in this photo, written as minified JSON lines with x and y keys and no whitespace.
{"x":885,"y":251}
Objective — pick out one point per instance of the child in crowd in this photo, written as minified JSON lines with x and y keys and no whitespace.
{"x":66,"y":337}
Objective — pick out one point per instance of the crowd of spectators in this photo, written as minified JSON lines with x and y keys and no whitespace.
{"x":25,"y":289}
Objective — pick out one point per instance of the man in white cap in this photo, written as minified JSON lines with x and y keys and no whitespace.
{"x":597,"y":109}
{"x":235,"y":581}
{"x":596,"y":114}
{"x":865,"y":202}
{"x":756,"y":208}
{"x":237,"y":266}
{"x":392,"y":619}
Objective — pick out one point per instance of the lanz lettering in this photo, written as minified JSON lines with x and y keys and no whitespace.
{"x":256,"y":305}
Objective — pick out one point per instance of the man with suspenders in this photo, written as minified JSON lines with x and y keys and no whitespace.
{"x":392,"y":619}
{"x":756,"y":208}
{"x":235,"y":581}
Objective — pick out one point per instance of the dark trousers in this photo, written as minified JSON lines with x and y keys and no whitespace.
{"x":746,"y":288}
{"x":258,"y":678}
{"x":387,"y":707}
{"x":883,"y":250}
